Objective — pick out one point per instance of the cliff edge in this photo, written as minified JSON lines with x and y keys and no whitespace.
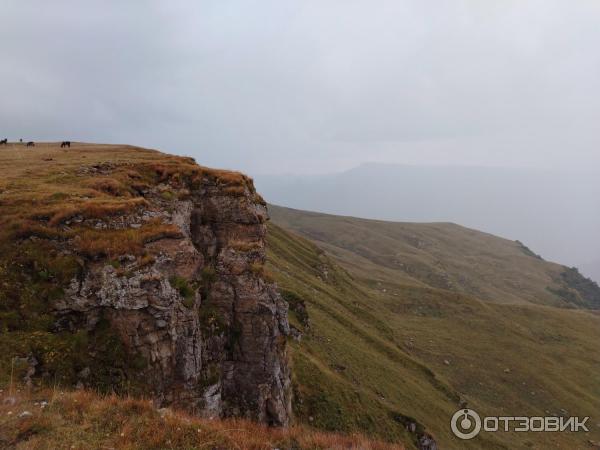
{"x":129,"y":270}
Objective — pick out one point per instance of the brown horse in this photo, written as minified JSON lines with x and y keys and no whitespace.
{"x":65,"y":144}
{"x":30,"y":144}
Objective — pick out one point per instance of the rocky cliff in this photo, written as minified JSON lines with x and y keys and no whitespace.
{"x":154,"y":282}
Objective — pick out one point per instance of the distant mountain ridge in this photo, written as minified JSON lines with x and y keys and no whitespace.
{"x":556,"y":213}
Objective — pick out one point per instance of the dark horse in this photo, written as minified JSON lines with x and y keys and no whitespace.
{"x":65,"y":144}
{"x":4,"y":142}
{"x":30,"y":144}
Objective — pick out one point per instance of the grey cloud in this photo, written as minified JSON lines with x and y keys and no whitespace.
{"x":273,"y":85}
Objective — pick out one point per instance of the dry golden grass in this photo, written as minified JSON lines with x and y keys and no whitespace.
{"x":108,"y":185}
{"x":41,"y":188}
{"x":85,"y":420}
{"x":243,"y":245}
{"x":27,"y":228}
{"x":92,"y":210}
{"x":47,"y":174}
{"x":230,"y":178}
{"x":235,"y":190}
{"x":95,"y":243}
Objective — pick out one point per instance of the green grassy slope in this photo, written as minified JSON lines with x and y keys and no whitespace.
{"x":443,"y":255}
{"x":382,"y":348}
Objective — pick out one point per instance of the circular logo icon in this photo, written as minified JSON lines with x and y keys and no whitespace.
{"x":465,"y":424}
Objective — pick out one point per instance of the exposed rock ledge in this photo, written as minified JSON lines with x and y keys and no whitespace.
{"x":200,"y":311}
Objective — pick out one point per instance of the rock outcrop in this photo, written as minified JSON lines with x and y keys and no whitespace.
{"x":196,"y":305}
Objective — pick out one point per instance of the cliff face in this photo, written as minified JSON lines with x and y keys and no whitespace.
{"x":191,"y":303}
{"x":211,"y":329}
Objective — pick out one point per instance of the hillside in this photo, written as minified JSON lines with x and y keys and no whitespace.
{"x":124,"y":270}
{"x":445,"y":256}
{"x":380,"y":348}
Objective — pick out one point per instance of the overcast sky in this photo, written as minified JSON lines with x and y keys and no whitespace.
{"x":309,"y":86}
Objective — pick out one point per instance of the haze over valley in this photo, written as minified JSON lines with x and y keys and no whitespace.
{"x":555,"y":213}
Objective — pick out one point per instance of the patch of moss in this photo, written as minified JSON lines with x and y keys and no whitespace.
{"x":167,"y":195}
{"x":186,"y":290}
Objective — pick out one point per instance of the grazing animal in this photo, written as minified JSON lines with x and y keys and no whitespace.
{"x":4,"y":142}
{"x":65,"y":144}
{"x":30,"y":144}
